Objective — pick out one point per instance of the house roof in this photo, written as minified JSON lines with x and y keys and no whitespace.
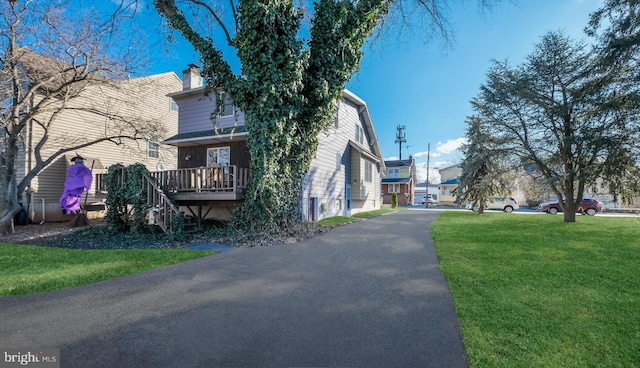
{"x":396,"y":163}
{"x":208,"y":136}
{"x":396,"y":180}
{"x":364,"y":153}
{"x":366,"y":118}
{"x":54,"y":74}
{"x":449,"y":167}
{"x":450,"y":182}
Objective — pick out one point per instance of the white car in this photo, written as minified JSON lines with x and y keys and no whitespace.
{"x":499,"y":203}
{"x":431,"y":200}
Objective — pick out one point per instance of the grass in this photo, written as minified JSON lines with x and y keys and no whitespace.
{"x":31,"y":269}
{"x":341,"y":220}
{"x":533,"y":291}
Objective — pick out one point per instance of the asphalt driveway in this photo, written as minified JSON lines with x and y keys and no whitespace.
{"x":369,"y":294}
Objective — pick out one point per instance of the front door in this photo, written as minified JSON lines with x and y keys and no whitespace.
{"x":347,"y":199}
{"x":312,"y":209}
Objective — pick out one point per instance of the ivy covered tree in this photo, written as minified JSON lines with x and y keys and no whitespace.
{"x":484,"y":175}
{"x":287,"y":84}
{"x":566,"y":115}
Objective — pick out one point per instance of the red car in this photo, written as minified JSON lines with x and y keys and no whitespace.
{"x":587,"y":207}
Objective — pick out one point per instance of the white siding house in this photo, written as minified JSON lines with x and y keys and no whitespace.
{"x":344,"y":176}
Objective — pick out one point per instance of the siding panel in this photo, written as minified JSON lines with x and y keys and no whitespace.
{"x":73,"y":128}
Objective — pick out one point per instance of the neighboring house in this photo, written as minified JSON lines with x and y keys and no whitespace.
{"x":213,"y":158}
{"x":449,"y":181}
{"x":421,"y":191}
{"x":400,"y":177}
{"x":140,"y":99}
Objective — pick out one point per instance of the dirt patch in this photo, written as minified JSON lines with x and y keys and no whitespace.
{"x":42,"y":234}
{"x":56,"y":234}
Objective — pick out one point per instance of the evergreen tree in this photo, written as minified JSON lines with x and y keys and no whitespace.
{"x":483,"y":173}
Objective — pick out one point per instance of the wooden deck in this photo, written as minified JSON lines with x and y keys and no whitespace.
{"x":199,"y":184}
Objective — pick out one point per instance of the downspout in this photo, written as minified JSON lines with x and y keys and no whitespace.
{"x":29,"y":159}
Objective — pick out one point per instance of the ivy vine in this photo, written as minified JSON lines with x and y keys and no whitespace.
{"x":126,"y":199}
{"x":287,"y":90}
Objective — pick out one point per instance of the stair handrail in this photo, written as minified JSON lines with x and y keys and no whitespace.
{"x":157,"y":198}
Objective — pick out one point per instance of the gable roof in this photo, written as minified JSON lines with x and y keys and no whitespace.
{"x":368,"y":125}
{"x":208,"y":136}
{"x":397,"y":163}
{"x":54,"y":74}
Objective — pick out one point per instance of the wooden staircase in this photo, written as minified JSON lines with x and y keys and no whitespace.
{"x":162,"y":211}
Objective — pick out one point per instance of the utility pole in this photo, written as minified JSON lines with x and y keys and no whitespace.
{"x":428,"y":156}
{"x":401,"y":137}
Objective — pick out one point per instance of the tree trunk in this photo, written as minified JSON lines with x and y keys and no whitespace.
{"x":570,"y":203}
{"x":277,"y":172}
{"x":570,"y":216}
{"x":9,"y":205}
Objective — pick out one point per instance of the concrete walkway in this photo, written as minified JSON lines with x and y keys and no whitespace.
{"x":368,"y":294}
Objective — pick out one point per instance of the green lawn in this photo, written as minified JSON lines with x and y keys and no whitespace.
{"x":341,"y":220}
{"x":533,"y":291}
{"x":30,"y":269}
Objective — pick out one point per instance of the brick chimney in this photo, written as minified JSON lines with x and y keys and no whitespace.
{"x":191,"y":78}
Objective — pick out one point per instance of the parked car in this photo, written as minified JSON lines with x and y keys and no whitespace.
{"x":587,"y":207}
{"x":428,"y":198}
{"x":499,"y":203}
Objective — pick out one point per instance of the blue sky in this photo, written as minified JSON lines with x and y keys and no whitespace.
{"x":426,"y":87}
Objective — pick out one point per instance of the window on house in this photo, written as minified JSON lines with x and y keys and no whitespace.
{"x":338,"y":162}
{"x":359,"y":134}
{"x":336,"y":120}
{"x":394,"y":188}
{"x":153,"y":149}
{"x":218,"y":156}
{"x":394,"y":172}
{"x":174,"y":104}
{"x":225,"y":105}
{"x":368,"y":171}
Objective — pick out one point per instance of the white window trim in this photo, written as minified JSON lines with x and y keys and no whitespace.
{"x":368,"y":171}
{"x":153,"y":149}
{"x":218,"y":155}
{"x":223,"y":102}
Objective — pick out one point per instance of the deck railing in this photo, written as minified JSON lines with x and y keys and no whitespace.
{"x":203,"y":179}
{"x":196,"y":180}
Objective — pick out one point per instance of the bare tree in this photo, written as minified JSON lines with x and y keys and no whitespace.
{"x":59,"y":63}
